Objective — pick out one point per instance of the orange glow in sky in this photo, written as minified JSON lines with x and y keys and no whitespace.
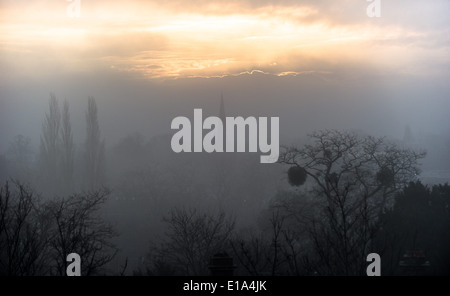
{"x":170,"y":41}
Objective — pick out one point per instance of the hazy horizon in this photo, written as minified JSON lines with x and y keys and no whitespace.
{"x":317,"y":65}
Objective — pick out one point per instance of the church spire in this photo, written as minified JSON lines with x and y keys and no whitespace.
{"x":222,"y":108}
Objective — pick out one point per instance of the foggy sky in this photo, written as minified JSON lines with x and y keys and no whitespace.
{"x":315,"y":64}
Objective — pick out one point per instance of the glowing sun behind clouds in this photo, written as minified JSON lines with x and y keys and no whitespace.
{"x":169,"y":41}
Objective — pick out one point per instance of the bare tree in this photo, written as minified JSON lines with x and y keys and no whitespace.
{"x":276,"y":250}
{"x":356,"y":178}
{"x":78,"y":228}
{"x":262,"y":254}
{"x":94,"y":148}
{"x":253,"y":254}
{"x":23,"y":238}
{"x":192,"y":238}
{"x":36,"y":236}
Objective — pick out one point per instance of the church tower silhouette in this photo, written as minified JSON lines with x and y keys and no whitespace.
{"x":222,"y":108}
{"x":222,"y":117}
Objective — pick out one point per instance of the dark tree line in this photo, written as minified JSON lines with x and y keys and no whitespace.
{"x":37,"y":236}
{"x":419,"y":221}
{"x":354,"y":178}
{"x":191,"y":239}
{"x":351,"y":195}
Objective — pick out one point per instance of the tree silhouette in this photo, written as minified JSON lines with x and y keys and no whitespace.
{"x":94,"y":148}
{"x":355,"y":178}
{"x":23,"y":239}
{"x":77,"y":228}
{"x":37,"y":235}
{"x":68,"y":149}
{"x":49,"y":150}
{"x":419,"y":220}
{"x":191,"y":239}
